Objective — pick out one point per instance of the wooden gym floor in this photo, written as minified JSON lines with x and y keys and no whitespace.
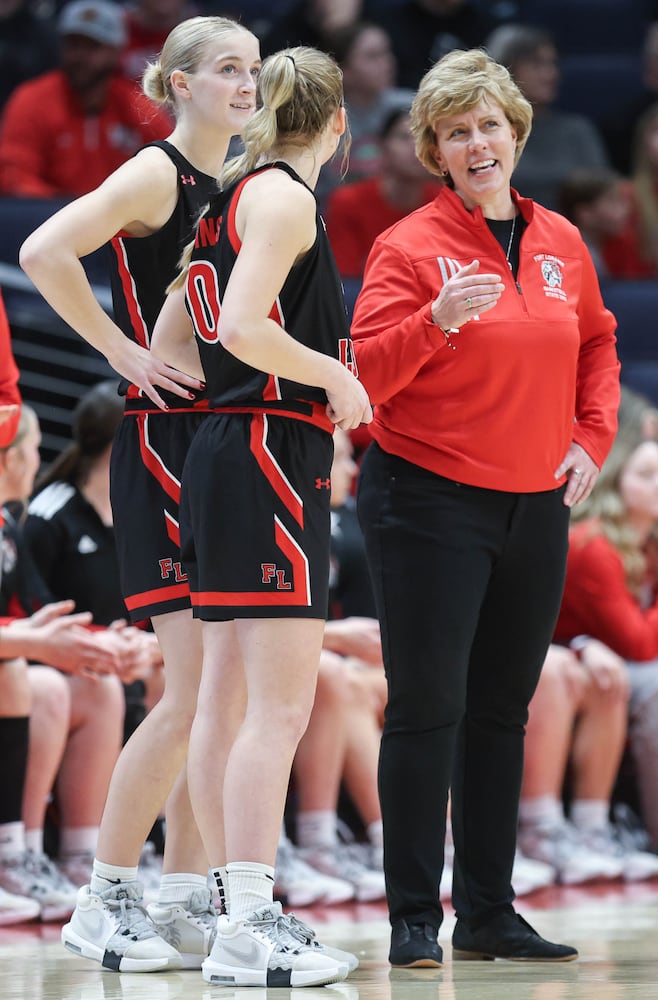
{"x":614,"y":927}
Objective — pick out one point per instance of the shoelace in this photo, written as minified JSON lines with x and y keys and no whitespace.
{"x":201,"y":907}
{"x":134,"y":920}
{"x":277,"y":930}
{"x":299,"y":930}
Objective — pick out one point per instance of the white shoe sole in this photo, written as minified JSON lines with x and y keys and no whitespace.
{"x":218,"y":974}
{"x":110,"y":960}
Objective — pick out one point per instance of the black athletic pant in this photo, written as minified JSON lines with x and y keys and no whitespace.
{"x":468,"y":584}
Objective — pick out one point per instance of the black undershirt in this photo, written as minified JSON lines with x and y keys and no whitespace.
{"x":502,"y":229}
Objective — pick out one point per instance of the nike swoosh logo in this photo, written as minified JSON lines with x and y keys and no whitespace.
{"x":249,"y":956}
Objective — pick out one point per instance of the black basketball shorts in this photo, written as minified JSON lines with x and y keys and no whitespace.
{"x":148,"y":455}
{"x":255,"y":517}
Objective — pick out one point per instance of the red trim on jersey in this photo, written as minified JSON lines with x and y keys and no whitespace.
{"x":154,"y":463}
{"x":173,"y":528}
{"x":298,"y":595}
{"x":317,"y":418}
{"x":133,"y":409}
{"x":231,"y":229}
{"x":272,"y":470}
{"x":159,"y":596}
{"x":132,"y":302}
{"x":272,"y":389}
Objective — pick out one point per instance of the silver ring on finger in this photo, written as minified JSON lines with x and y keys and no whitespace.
{"x":469,"y":302}
{"x":577,"y":472}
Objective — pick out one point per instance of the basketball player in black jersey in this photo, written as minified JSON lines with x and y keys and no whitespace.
{"x":267,"y":317}
{"x":206,"y":73}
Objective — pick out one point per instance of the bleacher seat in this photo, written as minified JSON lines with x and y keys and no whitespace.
{"x":600,"y":86}
{"x":56,"y":365}
{"x":591,"y":26}
{"x":635,"y":306}
{"x":21,"y":216}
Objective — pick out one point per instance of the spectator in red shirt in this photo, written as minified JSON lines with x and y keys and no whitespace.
{"x":599,"y":201}
{"x":358,"y":212}
{"x":148,"y":22}
{"x":644,"y":178}
{"x":10,"y":399}
{"x":611,"y":589}
{"x":64,"y":132}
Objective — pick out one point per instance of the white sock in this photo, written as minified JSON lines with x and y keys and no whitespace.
{"x":104,"y":875}
{"x":317,"y":828}
{"x":220,"y":877}
{"x":250,"y":886}
{"x":12,"y":840}
{"x":178,"y":887}
{"x":589,"y":814}
{"x":78,"y":841}
{"x":545,"y":810}
{"x":375,"y":832}
{"x":34,"y":840}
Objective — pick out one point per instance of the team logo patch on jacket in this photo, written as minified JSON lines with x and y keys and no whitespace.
{"x":551,"y":273}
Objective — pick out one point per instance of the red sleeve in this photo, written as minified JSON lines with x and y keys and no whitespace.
{"x":9,"y":393}
{"x":597,"y":386}
{"x":345,"y":241}
{"x":392,"y":327}
{"x":24,"y":147}
{"x":597,"y":603}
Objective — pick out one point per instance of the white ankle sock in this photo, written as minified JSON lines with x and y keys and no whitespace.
{"x":104,"y":875}
{"x":76,"y":841}
{"x":589,"y":814}
{"x":34,"y":840}
{"x":317,"y":828}
{"x":375,"y":832}
{"x":220,"y":876}
{"x":545,"y":810}
{"x":12,"y":840}
{"x":250,"y":886}
{"x":178,"y":887}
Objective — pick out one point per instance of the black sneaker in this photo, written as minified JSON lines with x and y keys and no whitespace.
{"x":415,"y":946}
{"x":508,"y":936}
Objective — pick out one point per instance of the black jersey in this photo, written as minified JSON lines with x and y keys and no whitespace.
{"x":74,"y":552}
{"x":310,"y":307}
{"x":142,"y":267}
{"x":21,"y":587}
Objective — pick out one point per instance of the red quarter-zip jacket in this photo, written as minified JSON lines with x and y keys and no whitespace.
{"x":537,"y":371}
{"x":9,"y":393}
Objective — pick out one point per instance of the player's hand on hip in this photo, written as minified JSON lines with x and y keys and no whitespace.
{"x":143,"y":369}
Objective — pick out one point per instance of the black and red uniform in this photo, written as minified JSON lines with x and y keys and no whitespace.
{"x":150,"y":446}
{"x":255,"y":504}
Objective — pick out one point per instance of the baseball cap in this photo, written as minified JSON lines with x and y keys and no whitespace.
{"x":101,"y":20}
